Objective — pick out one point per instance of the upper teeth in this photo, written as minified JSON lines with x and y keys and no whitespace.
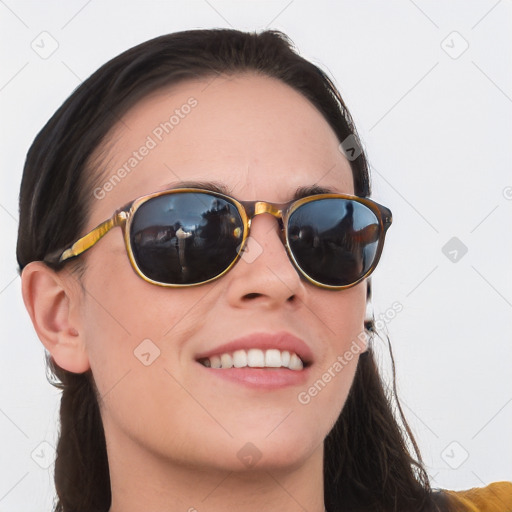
{"x":255,"y":358}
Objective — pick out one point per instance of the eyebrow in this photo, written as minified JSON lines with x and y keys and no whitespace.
{"x":221,"y":188}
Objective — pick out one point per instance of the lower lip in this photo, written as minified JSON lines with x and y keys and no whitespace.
{"x":261,"y":378}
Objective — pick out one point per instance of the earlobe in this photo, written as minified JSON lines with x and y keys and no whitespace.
{"x":49,"y":298}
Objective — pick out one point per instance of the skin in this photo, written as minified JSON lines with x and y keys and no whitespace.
{"x":173,"y":431}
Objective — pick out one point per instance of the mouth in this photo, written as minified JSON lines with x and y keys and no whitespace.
{"x":255,"y":358}
{"x":260,"y":360}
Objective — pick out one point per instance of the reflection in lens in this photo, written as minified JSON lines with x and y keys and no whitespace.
{"x":185,"y":238}
{"x":333,"y":240}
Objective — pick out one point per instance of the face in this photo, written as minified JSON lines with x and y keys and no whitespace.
{"x":260,"y":140}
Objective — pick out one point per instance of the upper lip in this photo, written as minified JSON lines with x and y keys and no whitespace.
{"x":279,"y":340}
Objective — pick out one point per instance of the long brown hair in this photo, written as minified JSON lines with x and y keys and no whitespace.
{"x":367,"y":463}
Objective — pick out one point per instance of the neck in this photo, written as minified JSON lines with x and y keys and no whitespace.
{"x":141,"y":480}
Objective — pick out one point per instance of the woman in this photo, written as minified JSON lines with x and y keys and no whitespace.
{"x":206,"y":366}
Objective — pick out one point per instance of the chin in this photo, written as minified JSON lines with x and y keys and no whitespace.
{"x":279,"y":451}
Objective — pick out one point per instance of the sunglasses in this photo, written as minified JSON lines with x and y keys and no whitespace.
{"x":189,"y":236}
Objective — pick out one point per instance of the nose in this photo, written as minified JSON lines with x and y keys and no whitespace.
{"x":264,"y":276}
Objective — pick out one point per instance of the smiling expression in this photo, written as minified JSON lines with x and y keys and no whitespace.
{"x":227,"y":359}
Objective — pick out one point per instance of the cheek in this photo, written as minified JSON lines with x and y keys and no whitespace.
{"x":135,"y":334}
{"x":342,"y":317}
{"x":128,"y":324}
{"x":339,"y":316}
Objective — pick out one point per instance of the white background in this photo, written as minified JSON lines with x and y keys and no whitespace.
{"x":438,"y":133}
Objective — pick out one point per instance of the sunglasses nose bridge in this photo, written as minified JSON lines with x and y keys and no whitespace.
{"x":260,"y":207}
{"x":264,"y":207}
{"x":273,"y":209}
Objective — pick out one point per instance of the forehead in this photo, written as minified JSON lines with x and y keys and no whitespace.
{"x":255,"y":135}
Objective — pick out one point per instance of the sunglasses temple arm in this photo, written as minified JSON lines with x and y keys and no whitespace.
{"x":387,"y":217}
{"x":90,"y":239}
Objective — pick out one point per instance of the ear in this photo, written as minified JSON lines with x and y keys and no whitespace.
{"x":52,"y":301}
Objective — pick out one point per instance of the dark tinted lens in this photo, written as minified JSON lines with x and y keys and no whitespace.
{"x":185,"y":238}
{"x":334,"y":240}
